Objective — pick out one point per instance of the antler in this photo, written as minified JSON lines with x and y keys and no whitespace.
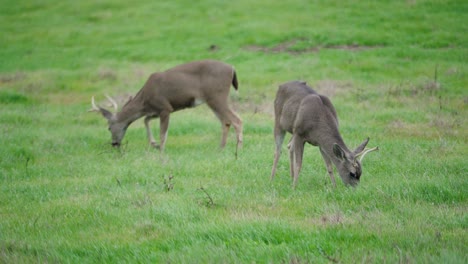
{"x":94,"y":108}
{"x":114,"y":103}
{"x":365,"y":151}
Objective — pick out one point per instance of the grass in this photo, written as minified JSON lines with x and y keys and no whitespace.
{"x":396,"y":74}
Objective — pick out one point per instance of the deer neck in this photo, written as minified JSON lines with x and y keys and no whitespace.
{"x":131,"y":112}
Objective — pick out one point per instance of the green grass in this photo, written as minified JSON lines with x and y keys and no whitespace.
{"x":395,"y":70}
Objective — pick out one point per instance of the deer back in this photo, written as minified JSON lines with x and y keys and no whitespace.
{"x":287,"y":103}
{"x":317,"y":123}
{"x":301,"y":110}
{"x":183,"y":85}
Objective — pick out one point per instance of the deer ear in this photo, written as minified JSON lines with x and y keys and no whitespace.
{"x":361,"y":147}
{"x":105,"y":113}
{"x":339,"y":152}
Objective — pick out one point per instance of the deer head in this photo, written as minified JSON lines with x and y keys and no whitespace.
{"x":348,"y":163}
{"x":116,"y":127}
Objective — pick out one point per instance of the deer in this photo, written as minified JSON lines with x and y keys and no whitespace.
{"x":312,"y":118}
{"x":184,"y":86}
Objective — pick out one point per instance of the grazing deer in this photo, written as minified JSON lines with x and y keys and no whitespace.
{"x":311,"y":118}
{"x":183,"y":86}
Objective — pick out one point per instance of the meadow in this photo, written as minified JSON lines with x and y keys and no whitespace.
{"x":396,"y":72}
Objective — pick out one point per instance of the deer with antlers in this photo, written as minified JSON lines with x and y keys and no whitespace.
{"x":183,"y":86}
{"x":311,"y":117}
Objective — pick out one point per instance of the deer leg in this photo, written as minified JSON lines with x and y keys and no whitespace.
{"x":296,"y":151}
{"x":279,"y":138}
{"x":151,"y":139}
{"x":291,"y":158}
{"x":228,"y":118}
{"x":163,"y":127}
{"x":237,"y":124}
{"x":223,"y":113}
{"x":328,"y":163}
{"x":225,"y":130}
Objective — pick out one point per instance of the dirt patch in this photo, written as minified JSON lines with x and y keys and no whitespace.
{"x":330,"y":88}
{"x":255,"y":108}
{"x":296,"y":47}
{"x":336,"y":218}
{"x":14,"y":77}
{"x":333,"y":219}
{"x":107,"y":74}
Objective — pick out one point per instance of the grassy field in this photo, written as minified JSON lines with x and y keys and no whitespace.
{"x":396,"y":72}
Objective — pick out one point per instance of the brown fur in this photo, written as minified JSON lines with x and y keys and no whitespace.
{"x":181,"y":87}
{"x":311,"y":117}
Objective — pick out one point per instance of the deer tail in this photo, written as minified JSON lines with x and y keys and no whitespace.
{"x":234,"y":80}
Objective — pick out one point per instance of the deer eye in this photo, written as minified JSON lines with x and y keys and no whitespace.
{"x":352,"y":175}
